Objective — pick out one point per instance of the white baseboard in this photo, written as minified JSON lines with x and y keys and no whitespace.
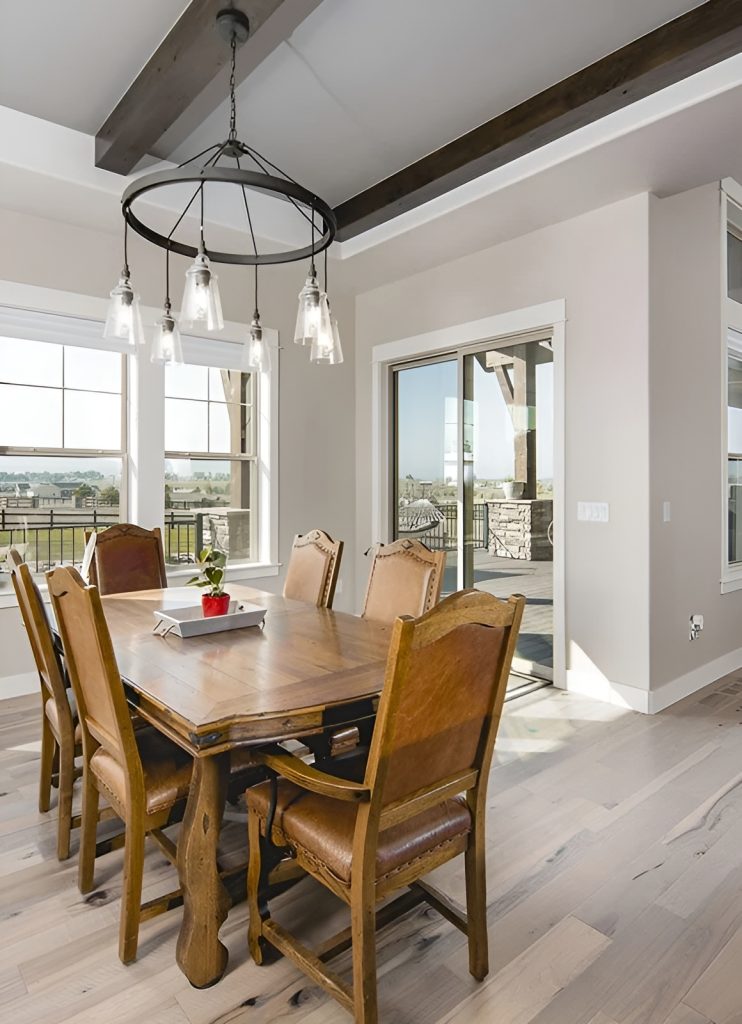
{"x":18,"y":686}
{"x":588,"y":685}
{"x":691,"y":682}
{"x":649,"y":702}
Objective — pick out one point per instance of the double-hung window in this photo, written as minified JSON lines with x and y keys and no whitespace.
{"x":62,"y":435}
{"x":211,"y":455}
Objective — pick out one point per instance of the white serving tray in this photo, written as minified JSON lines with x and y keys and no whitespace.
{"x":190,"y":620}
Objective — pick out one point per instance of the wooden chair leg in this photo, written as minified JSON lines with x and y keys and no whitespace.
{"x":363,"y":928}
{"x":90,"y":799}
{"x":48,"y":744}
{"x":476,"y":904}
{"x":55,"y":764}
{"x":254,"y":872}
{"x":131,"y":896}
{"x":66,"y":786}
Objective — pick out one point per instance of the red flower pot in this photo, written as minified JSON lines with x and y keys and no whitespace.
{"x":214,"y":605}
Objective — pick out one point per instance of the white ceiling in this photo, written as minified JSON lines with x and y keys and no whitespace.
{"x":71,"y":61}
{"x":361,"y":89}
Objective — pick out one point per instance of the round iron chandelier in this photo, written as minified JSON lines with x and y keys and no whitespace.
{"x":250,"y":172}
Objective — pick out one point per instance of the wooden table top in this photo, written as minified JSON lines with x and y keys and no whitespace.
{"x":229,"y":689}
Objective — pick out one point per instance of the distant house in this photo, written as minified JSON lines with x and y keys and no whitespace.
{"x":46,"y":492}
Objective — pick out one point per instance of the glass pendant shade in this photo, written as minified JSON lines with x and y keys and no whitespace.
{"x":124,"y":319}
{"x":326,"y":347}
{"x":166,"y":345}
{"x":256,"y":355}
{"x":202,"y":304}
{"x":308,"y":317}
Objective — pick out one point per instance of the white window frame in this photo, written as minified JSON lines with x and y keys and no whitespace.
{"x":69,"y":332}
{"x":263,"y":487}
{"x":143,"y":481}
{"x":731,"y":196}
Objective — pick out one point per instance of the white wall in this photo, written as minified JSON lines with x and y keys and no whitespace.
{"x":687,"y":405}
{"x":316,"y":404}
{"x":598,"y":263}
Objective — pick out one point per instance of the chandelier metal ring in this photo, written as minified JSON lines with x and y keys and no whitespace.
{"x":254,"y":180}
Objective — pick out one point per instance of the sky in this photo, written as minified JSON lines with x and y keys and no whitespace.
{"x":422,"y":394}
{"x":54,"y":396}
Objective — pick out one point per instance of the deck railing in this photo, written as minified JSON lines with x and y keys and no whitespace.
{"x":444,"y":535}
{"x":50,"y":537}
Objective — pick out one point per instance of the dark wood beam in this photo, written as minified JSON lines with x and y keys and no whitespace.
{"x":696,"y":40}
{"x":190,"y":57}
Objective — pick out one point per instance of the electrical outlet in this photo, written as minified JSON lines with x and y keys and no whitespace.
{"x":696,"y":625}
{"x":339,"y":586}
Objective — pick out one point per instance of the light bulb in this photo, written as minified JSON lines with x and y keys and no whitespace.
{"x":326,"y":347}
{"x":166,"y":345}
{"x":201,"y":300}
{"x":308,"y":316}
{"x":123,"y":318}
{"x":255,"y":354}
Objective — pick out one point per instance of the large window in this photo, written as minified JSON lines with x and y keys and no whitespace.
{"x":210,"y":462}
{"x":62,"y":431}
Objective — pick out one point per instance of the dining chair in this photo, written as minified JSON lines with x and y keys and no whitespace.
{"x":419,"y":802}
{"x":61,"y":735}
{"x":405,"y":579}
{"x":141,"y":774}
{"x":313,"y":568}
{"x":127,"y":558}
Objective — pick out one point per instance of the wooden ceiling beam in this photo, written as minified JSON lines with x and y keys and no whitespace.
{"x":694,"y":41}
{"x":180,"y":71}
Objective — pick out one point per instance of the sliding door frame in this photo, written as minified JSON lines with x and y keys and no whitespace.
{"x":456,"y":342}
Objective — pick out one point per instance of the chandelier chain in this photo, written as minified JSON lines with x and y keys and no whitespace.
{"x":232,"y":101}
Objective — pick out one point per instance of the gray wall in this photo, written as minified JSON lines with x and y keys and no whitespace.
{"x":598,"y":263}
{"x":687,"y":406}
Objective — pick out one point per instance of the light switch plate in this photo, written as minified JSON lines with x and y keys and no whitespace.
{"x":592,"y":511}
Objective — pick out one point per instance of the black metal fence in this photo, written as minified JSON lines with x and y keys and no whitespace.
{"x":52,"y":537}
{"x":444,"y":536}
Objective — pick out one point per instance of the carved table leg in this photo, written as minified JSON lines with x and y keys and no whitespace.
{"x":200,"y":954}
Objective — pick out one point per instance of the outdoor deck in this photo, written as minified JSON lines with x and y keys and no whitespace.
{"x":505,"y":576}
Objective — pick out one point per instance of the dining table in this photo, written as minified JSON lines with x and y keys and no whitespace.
{"x":302,"y":670}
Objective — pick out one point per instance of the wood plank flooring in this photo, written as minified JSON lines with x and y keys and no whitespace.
{"x":615,"y":891}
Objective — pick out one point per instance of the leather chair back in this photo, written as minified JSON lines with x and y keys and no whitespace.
{"x":128,"y":558}
{"x":313,"y":568}
{"x":445,"y":685}
{"x":405,"y":579}
{"x":45,"y":655}
{"x":91,"y":662}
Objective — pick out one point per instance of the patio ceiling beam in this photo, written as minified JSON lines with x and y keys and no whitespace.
{"x":174,"y":93}
{"x":696,"y":40}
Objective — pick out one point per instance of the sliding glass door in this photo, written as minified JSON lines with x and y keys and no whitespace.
{"x":425,"y":458}
{"x":473,"y":475}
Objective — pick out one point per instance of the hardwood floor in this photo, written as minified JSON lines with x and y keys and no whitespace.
{"x":615,"y":891}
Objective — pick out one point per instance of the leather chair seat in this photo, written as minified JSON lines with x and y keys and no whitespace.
{"x":50,"y":709}
{"x":167,"y":771}
{"x":323,"y":827}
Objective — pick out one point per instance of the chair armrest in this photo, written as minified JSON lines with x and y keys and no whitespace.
{"x":305,"y":775}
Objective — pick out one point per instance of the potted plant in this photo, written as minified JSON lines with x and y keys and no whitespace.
{"x":513,"y":489}
{"x":213,"y":570}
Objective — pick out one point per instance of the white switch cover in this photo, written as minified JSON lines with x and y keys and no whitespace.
{"x":665,"y":511}
{"x":592,"y":511}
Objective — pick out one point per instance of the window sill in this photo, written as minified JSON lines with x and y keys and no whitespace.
{"x":247,"y":571}
{"x":731,"y":583}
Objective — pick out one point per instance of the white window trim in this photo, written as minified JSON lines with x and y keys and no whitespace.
{"x":145,"y":415}
{"x":731,"y":193}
